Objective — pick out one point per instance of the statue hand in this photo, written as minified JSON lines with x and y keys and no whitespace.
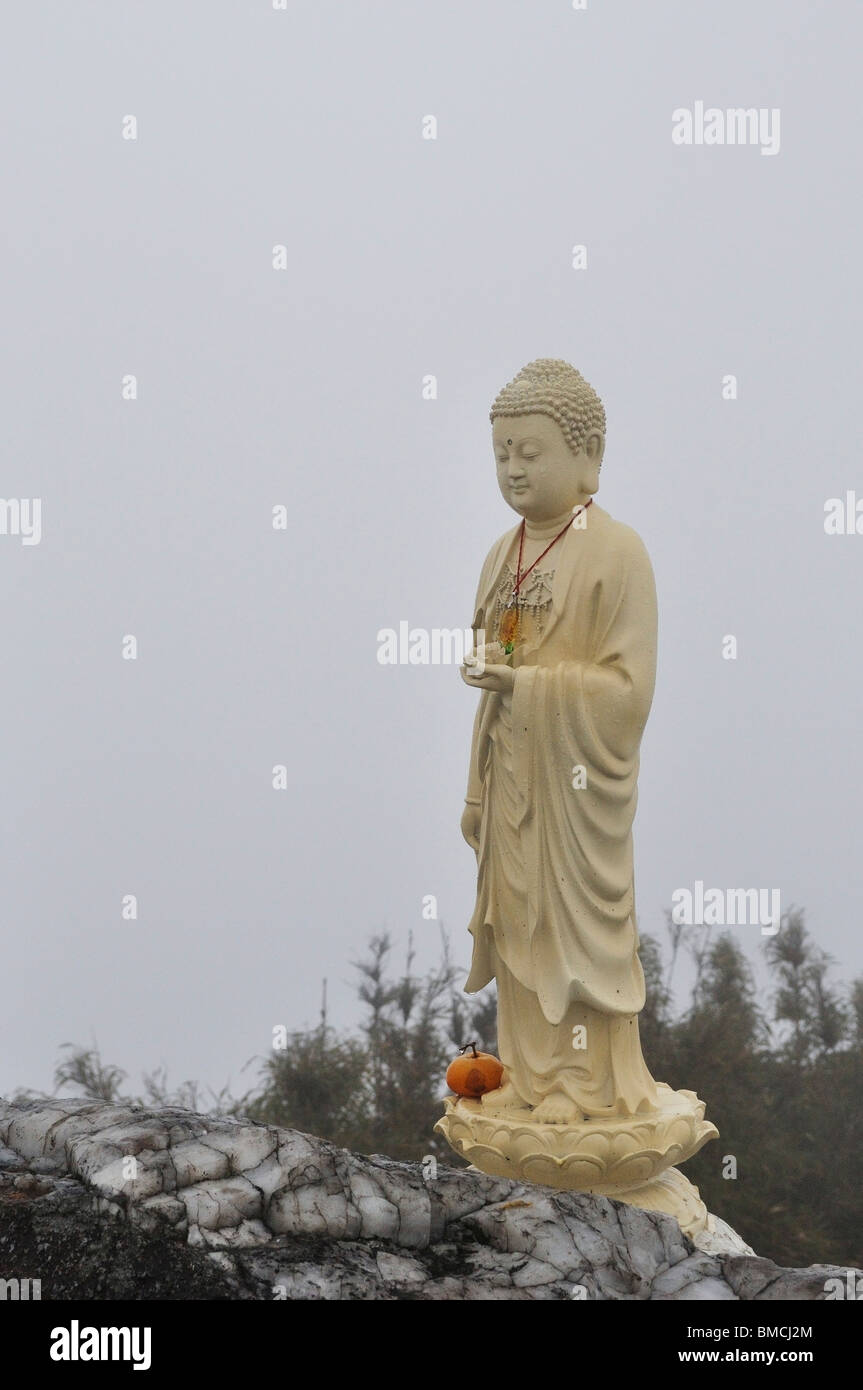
{"x":470,"y":824}
{"x":500,"y":679}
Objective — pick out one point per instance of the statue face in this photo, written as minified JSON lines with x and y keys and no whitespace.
{"x":538,"y":474}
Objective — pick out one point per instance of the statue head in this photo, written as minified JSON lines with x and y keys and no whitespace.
{"x":548,"y":431}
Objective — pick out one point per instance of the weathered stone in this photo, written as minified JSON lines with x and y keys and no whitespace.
{"x":121,"y":1203}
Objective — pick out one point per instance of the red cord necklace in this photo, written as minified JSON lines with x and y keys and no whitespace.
{"x":508,"y":630}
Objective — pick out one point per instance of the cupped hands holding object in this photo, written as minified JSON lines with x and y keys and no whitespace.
{"x":500,"y":679}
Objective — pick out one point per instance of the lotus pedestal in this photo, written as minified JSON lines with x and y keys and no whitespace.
{"x":629,"y":1157}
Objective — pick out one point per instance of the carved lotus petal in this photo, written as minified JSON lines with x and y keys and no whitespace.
{"x":596,"y":1155}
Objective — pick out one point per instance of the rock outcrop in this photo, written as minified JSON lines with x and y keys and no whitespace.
{"x":105,"y":1201}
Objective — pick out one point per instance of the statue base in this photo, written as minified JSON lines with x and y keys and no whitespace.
{"x":628,"y":1157}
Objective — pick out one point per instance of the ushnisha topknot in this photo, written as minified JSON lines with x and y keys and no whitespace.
{"x":550,"y":386}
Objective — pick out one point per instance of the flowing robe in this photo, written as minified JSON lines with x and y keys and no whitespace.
{"x":554,"y":922}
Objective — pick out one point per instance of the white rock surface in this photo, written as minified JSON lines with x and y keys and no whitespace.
{"x":231,"y":1209}
{"x":720,"y":1239}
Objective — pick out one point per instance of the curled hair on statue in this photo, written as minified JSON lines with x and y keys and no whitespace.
{"x":550,"y":386}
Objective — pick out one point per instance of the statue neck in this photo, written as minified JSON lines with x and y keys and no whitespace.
{"x":546,"y":530}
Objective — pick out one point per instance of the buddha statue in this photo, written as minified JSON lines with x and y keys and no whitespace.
{"x":566,"y":633}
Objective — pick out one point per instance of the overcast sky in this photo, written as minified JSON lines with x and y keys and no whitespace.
{"x":302,"y":387}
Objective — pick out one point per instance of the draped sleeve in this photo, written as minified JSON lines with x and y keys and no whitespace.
{"x":487,"y":699}
{"x":587,"y":709}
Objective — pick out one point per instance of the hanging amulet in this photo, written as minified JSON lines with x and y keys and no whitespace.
{"x":508,"y":628}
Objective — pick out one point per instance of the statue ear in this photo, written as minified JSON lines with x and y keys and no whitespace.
{"x":594,"y":446}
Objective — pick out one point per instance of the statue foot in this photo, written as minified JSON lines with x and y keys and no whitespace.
{"x":506,"y":1097}
{"x":557,"y":1109}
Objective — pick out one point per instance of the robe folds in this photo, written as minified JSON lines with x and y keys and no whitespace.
{"x":555,"y":895}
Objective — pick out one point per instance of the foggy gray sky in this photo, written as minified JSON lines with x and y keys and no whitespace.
{"x":257,"y":387}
